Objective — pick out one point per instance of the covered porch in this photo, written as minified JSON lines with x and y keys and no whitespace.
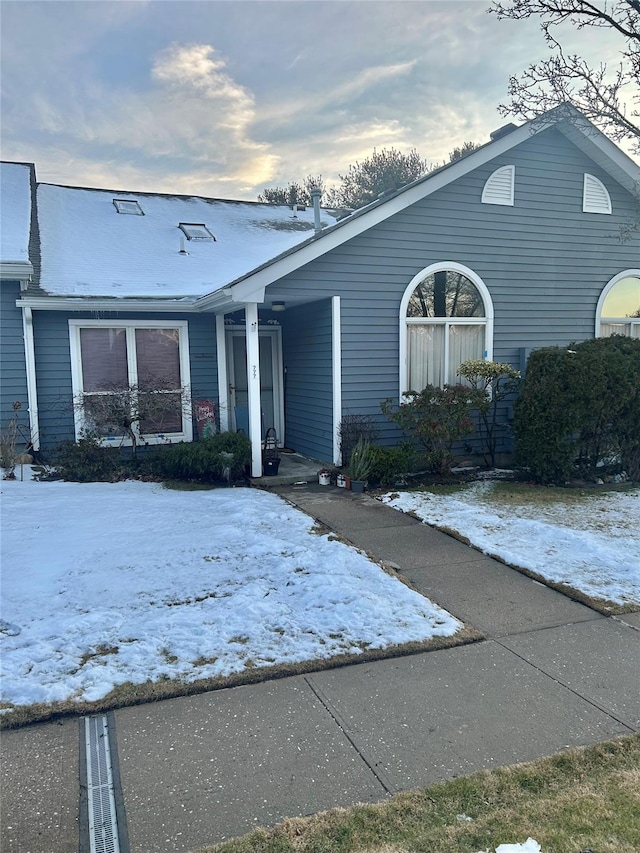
{"x":279,"y":366}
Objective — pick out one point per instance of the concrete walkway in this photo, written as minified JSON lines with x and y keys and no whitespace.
{"x":551,"y":674}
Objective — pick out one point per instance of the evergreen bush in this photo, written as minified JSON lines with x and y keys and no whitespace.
{"x":224,"y":456}
{"x":391,"y":464}
{"x":578,"y":413}
{"x":87,"y":461}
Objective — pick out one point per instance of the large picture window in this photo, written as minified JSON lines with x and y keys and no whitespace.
{"x":131,"y":380}
{"x":446,"y":318}
{"x":618,"y":310}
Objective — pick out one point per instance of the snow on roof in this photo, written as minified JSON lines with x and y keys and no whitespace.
{"x":15,"y":212}
{"x":89,"y":249}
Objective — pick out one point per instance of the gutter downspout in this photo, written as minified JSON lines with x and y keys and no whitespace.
{"x":316,"y":195}
{"x":30,"y":364}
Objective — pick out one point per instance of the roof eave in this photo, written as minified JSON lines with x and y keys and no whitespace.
{"x":16,"y":270}
{"x":114,"y":304}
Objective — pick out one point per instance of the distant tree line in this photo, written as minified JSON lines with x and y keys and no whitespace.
{"x":383,"y":172}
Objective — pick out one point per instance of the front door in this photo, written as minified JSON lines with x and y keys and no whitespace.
{"x":271,"y":390}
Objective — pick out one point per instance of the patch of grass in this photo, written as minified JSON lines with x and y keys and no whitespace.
{"x":127,"y":694}
{"x":169,"y":656}
{"x":204,"y":661}
{"x":99,"y":651}
{"x":189,"y":486}
{"x":530,"y":494}
{"x":581,"y":799}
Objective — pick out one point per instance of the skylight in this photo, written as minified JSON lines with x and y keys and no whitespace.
{"x":128,"y":205}
{"x":196,"y":231}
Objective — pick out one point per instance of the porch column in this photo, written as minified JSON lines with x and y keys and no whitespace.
{"x":32,"y":389}
{"x":336,"y":372}
{"x":253,"y":387}
{"x":223,"y":375}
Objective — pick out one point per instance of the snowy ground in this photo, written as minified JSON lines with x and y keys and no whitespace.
{"x":107,"y":583}
{"x":592,"y":545}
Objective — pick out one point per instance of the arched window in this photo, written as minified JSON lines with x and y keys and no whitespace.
{"x":618,"y":311}
{"x":446,"y":317}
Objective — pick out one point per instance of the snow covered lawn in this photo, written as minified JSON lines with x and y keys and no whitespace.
{"x":110,"y":583}
{"x":590,"y":543}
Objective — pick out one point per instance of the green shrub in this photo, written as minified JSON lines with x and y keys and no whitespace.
{"x":391,"y":464}
{"x":86,"y":461}
{"x":578,"y":412}
{"x":219,"y":457}
{"x":435,"y":417}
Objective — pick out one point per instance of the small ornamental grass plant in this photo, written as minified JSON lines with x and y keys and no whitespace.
{"x":361,"y":461}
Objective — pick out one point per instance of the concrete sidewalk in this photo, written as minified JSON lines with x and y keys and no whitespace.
{"x":551,"y":674}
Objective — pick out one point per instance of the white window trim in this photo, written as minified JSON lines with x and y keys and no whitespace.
{"x":130,"y":326}
{"x":405,"y":321}
{"x":632,"y":273}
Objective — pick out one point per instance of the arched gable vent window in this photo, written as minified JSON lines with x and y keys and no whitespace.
{"x":618,"y":311}
{"x":595,"y":197}
{"x":499,"y":186}
{"x":446,"y":317}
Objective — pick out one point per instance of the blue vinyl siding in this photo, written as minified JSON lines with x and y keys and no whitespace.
{"x":13,"y":371}
{"x":306,"y":344}
{"x":53,"y":365}
{"x":544,"y":261}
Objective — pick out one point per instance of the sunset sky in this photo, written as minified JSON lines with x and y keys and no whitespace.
{"x":224,"y":98}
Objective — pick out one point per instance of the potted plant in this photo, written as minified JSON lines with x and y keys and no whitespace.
{"x":360,"y":464}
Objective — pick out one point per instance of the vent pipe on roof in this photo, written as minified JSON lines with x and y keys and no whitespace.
{"x":316,"y":195}
{"x":503,"y":131}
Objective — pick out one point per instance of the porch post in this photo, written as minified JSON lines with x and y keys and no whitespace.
{"x":253,"y":387}
{"x":336,"y":370}
{"x":32,"y":389}
{"x":223,"y":377}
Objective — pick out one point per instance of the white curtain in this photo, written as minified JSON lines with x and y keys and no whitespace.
{"x":608,"y":329}
{"x":426,"y":355}
{"x":465,"y":342}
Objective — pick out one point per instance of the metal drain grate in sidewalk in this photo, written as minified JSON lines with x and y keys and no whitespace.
{"x":101,"y":804}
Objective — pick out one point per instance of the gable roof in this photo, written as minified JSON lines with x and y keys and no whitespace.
{"x":89,"y":249}
{"x":15,"y":220}
{"x":565,"y":118}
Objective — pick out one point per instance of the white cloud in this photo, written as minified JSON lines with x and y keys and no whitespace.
{"x":192,"y":72}
{"x":193,"y":112}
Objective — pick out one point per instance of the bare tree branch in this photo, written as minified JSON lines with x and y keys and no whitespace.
{"x":601,"y":93}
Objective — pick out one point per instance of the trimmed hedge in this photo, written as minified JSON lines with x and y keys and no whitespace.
{"x":578,"y":413}
{"x":220,"y":457}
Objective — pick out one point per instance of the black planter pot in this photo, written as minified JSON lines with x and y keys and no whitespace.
{"x":270,"y":467}
{"x":357,"y":485}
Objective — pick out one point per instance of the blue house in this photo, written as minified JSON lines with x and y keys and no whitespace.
{"x":293,"y":318}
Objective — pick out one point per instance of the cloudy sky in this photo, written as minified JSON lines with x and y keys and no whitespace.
{"x":224,"y":97}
